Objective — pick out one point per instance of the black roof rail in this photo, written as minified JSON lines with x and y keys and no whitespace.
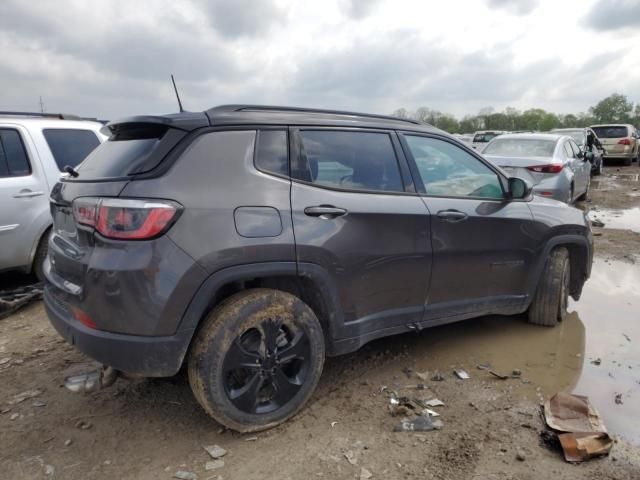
{"x":274,"y":108}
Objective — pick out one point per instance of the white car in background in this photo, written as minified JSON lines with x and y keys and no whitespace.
{"x":553,"y":164}
{"x":34,"y":150}
{"x":482,"y":137}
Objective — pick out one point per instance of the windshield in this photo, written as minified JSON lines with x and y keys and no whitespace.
{"x":484,"y":137}
{"x":521,"y":147}
{"x":611,"y":132}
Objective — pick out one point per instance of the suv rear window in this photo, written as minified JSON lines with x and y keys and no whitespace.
{"x":611,"y":132}
{"x":70,"y":146}
{"x":13,"y":157}
{"x":126,"y":152}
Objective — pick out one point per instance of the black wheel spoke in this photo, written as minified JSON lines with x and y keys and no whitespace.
{"x":239,"y":357}
{"x":285,"y":388}
{"x":270,"y":331}
{"x":246,"y":398}
{"x":298,"y":348}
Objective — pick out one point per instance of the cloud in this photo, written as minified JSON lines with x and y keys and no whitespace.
{"x":244,"y":18}
{"x":516,"y":7}
{"x":359,"y":9}
{"x":114,"y":58}
{"x":613,"y":15}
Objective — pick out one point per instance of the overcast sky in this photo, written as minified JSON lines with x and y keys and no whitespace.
{"x":114,"y":58}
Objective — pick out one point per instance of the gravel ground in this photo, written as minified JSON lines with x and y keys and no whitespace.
{"x":151,"y":429}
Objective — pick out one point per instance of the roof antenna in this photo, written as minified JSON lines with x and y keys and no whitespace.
{"x":177,"y":95}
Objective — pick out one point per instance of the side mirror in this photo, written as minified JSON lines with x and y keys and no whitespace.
{"x":519,"y":188}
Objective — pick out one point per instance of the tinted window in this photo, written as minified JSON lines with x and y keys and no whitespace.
{"x":123,"y":153}
{"x":70,"y":146}
{"x":520,"y":147}
{"x":611,"y":132}
{"x":13,"y":157}
{"x":271,"y":152}
{"x":351,"y":160}
{"x":448,"y":170}
{"x":484,"y":137}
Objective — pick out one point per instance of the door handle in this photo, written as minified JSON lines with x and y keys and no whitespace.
{"x":452,"y":215}
{"x":27,"y":194}
{"x":324,"y":211}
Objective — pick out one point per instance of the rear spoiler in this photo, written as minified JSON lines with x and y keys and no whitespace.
{"x":185,"y":121}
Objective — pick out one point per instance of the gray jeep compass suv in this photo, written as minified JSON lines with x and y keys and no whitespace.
{"x":248,"y":242}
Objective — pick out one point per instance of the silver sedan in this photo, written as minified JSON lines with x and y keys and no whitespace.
{"x":554,"y":164}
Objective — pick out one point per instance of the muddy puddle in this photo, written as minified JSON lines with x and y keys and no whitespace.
{"x":621,"y":219}
{"x":603,"y":327}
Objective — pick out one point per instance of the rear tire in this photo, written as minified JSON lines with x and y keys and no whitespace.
{"x":598,"y":170}
{"x":549,"y":305}
{"x":627,"y":162}
{"x":37,"y":266}
{"x":585,"y":195}
{"x":257,"y":359}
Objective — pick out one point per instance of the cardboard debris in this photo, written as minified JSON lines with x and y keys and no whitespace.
{"x":585,"y":435}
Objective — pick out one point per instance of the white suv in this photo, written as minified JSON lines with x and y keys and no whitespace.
{"x":34,"y":149}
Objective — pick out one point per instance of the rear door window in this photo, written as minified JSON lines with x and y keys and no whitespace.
{"x":350,"y":160}
{"x":70,"y":146}
{"x":13,"y":156}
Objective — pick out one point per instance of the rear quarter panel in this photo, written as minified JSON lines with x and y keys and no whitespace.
{"x":212,"y":178}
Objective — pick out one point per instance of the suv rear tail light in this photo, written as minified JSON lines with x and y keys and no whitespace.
{"x":124,"y":218}
{"x":624,"y":141}
{"x":551,"y":168}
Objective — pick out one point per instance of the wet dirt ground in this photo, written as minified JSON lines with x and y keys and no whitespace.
{"x":151,"y":429}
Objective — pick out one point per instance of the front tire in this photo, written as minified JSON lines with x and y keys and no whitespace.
{"x":549,"y":305}
{"x":257,"y":359}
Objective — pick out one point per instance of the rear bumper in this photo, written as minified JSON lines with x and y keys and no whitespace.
{"x":133,"y":354}
{"x":561,"y":195}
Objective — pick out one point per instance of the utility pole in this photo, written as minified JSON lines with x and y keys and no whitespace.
{"x":41,"y":105}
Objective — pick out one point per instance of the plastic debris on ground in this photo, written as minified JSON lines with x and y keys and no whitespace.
{"x":215,"y":451}
{"x":12,"y":300}
{"x":423,"y":423}
{"x":462,"y":374}
{"x":583,"y":433}
{"x":434,"y":402}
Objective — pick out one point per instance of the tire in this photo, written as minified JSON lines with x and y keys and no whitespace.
{"x":549,"y":305}
{"x":598,"y":170}
{"x":228,"y":363}
{"x":627,"y":162}
{"x":585,"y":195}
{"x":37,"y":267}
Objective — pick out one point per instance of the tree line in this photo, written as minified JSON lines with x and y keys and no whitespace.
{"x":616,"y":108}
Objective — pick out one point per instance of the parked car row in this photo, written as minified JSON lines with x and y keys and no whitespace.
{"x":34,"y":150}
{"x":560,"y":162}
